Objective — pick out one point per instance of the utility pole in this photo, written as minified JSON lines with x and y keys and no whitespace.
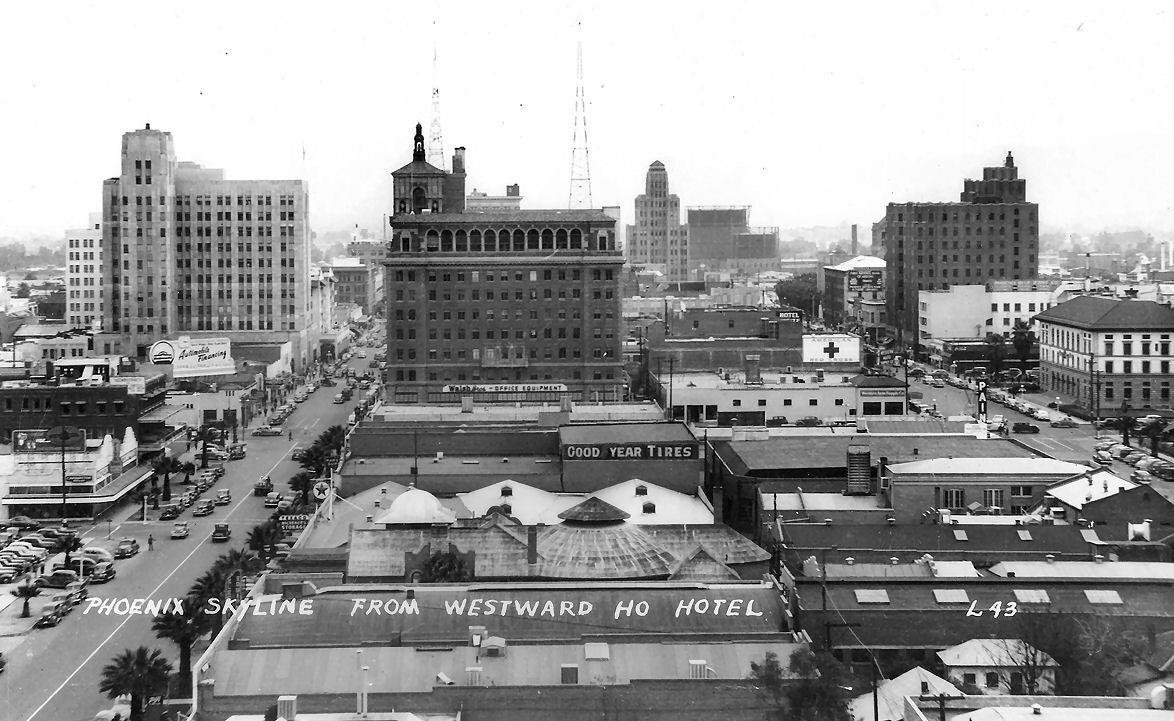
{"x":670,"y":409}
{"x":64,"y":438}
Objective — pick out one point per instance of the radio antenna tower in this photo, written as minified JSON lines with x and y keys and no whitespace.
{"x":580,"y":195}
{"x":435,"y":137}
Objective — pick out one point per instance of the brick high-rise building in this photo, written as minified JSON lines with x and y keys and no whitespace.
{"x":505,"y":306}
{"x":991,"y":234}
{"x":657,"y":239}
{"x":188,"y":252}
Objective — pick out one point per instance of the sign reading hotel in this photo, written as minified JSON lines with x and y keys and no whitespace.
{"x":193,"y":357}
{"x":661,"y":451}
{"x":42,"y":440}
{"x":507,"y":388}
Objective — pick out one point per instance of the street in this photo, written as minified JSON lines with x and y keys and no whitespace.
{"x":53,"y":673}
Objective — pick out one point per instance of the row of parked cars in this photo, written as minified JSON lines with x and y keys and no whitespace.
{"x":1148,"y":468}
{"x":92,"y":564}
{"x":191,"y":497}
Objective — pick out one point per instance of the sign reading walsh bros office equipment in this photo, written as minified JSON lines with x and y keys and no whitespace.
{"x":192,"y":357}
{"x":658,"y":451}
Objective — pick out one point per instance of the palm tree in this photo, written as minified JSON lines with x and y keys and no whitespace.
{"x":183,"y":630}
{"x":204,"y":436}
{"x":140,"y":673}
{"x":301,"y":483}
{"x":164,"y":466}
{"x":188,"y":469}
{"x":263,"y":538}
{"x":996,"y":349}
{"x":235,"y":564}
{"x":72,"y":543}
{"x":207,"y":587}
{"x":1022,"y":339}
{"x":26,"y":592}
{"x":315,"y":460}
{"x":333,"y":438}
{"x":1155,"y":430}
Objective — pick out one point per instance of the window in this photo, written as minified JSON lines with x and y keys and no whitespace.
{"x":762,"y":401}
{"x":960,"y":535}
{"x":737,"y":402}
{"x":569,"y":674}
{"x":1031,"y":595}
{"x":992,"y":497}
{"x":698,"y":669}
{"x":992,"y":679}
{"x":1103,"y":597}
{"x":953,"y":498}
{"x":969,"y":679}
{"x":950,"y":595}
{"x":1024,"y":534}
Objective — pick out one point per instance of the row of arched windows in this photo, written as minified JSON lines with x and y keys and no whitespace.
{"x":474,"y":241}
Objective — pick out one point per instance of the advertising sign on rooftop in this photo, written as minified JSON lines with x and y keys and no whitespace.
{"x":193,"y":357}
{"x":49,"y":440}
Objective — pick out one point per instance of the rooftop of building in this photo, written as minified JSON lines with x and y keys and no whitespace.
{"x":1038,"y":539}
{"x":892,"y":692}
{"x":995,"y":653}
{"x":1051,"y":708}
{"x":481,"y":413}
{"x":772,"y":380}
{"x":815,"y":502}
{"x":1090,"y":486}
{"x":1095,"y":570}
{"x":918,"y":569}
{"x":506,"y":217}
{"x":794,"y":452}
{"x":1104,"y":314}
{"x":860,"y":262}
{"x":624,"y":433}
{"x":996,"y":466}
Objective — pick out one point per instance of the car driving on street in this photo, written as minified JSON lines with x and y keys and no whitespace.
{"x":181,"y":530}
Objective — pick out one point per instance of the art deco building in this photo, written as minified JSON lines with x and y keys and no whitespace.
{"x":505,"y":306}
{"x":657,"y":240}
{"x":188,"y":252}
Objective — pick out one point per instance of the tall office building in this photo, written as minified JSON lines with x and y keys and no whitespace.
{"x":657,"y":240}
{"x":189,"y":252}
{"x":991,"y":234}
{"x":518,"y":305}
{"x":84,"y":307}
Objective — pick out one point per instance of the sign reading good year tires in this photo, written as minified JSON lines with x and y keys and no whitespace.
{"x":674,"y":451}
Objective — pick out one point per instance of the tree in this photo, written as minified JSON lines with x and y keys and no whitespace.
{"x":1023,"y":341}
{"x":182,"y":629}
{"x":1092,"y":653}
{"x":207,"y":587}
{"x":769,"y":677}
{"x":800,"y":292}
{"x":235,"y":564}
{"x":996,"y":351}
{"x":820,"y":689}
{"x":446,"y":567}
{"x":302,"y":483}
{"x":72,"y":543}
{"x":204,"y":436}
{"x":263,"y":538}
{"x":315,"y":460}
{"x":1155,"y":430}
{"x":164,"y":466}
{"x":26,"y":592}
{"x":138,"y":673}
{"x":188,"y":469}
{"x":333,"y":439}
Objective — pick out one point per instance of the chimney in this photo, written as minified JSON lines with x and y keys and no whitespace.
{"x":1037,"y":710}
{"x":458,"y":160}
{"x":287,"y":707}
{"x":753,"y":369}
{"x":532,"y":545}
{"x":894,"y":560}
{"x":854,"y":244}
{"x":1050,"y":558}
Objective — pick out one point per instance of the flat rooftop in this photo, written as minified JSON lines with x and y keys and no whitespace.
{"x":771,"y":380}
{"x":784,"y":453}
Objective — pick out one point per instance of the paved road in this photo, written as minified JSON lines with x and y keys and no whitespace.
{"x":53,"y":673}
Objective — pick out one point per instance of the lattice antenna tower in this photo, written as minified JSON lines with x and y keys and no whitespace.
{"x":435,"y":137}
{"x":580,"y":195}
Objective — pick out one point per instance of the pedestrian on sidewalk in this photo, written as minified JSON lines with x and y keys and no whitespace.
{"x":150,"y":542}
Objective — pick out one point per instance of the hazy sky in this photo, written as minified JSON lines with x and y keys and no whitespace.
{"x":812,"y":113}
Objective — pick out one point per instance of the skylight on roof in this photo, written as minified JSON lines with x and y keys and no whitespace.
{"x":1024,"y":534}
{"x":1108,"y":596}
{"x":1032,"y":595}
{"x":951,"y":595}
{"x":960,"y":535}
{"x":872,"y":595}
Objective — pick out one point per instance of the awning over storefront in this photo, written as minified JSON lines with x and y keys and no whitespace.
{"x":109,"y":494}
{"x":160,"y":413}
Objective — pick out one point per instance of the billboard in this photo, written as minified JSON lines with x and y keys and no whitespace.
{"x":48,"y":440}
{"x":861,"y":280}
{"x":293,"y":523}
{"x":193,"y":357}
{"x":661,"y":451}
{"x":831,"y":348}
{"x":506,"y":388}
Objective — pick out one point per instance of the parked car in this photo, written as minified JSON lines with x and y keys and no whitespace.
{"x":1133,"y":458}
{"x":77,"y":592}
{"x":1102,"y":458}
{"x":809,"y":421}
{"x":272,"y":499}
{"x":339,"y":399}
{"x":996,"y":422}
{"x":284,"y":505}
{"x":99,"y":571}
{"x":1024,"y":428}
{"x":223,"y":497}
{"x":52,"y":614}
{"x":329,"y":383}
{"x":298,"y":454}
{"x":1063,"y":423}
{"x":23,"y":523}
{"x":9,"y":574}
{"x":1142,"y":477}
{"x":267,"y":431}
{"x":57,"y":579}
{"x":181,"y":530}
{"x":126,"y":548}
{"x":204,"y":508}
{"x":97,"y":553}
{"x":221,"y":533}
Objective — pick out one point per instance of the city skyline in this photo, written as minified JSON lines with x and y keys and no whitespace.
{"x":751,"y":106}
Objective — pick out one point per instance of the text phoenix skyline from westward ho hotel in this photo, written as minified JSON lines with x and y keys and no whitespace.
{"x":809,"y":115}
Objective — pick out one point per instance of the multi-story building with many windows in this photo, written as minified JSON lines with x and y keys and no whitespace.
{"x":83,"y":276}
{"x":658,"y":240}
{"x":991,"y":234}
{"x":504,"y":306}
{"x":189,"y":252}
{"x":1106,"y":352}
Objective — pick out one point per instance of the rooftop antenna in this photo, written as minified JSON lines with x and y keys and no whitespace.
{"x":435,"y":137}
{"x":580,"y":195}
